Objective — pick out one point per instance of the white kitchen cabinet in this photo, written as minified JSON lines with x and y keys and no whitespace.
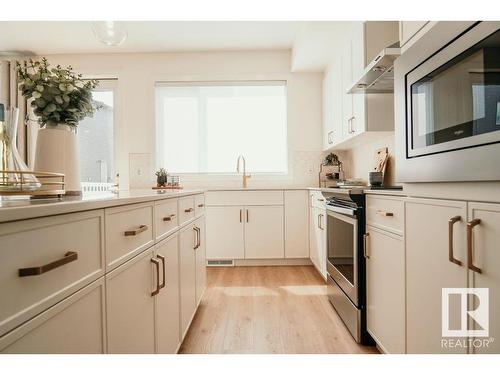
{"x":408,"y":30}
{"x":74,"y":325}
{"x":317,"y":244}
{"x":429,"y":269}
{"x":346,"y":116}
{"x":296,"y":224}
{"x":201,"y":259}
{"x":225,"y":237}
{"x":264,"y":232}
{"x":385,"y":284}
{"x":187,"y":269}
{"x":131,"y":307}
{"x":167,"y":301}
{"x":485,"y":255}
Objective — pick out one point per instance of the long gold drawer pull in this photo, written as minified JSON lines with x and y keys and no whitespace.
{"x":365,"y":244}
{"x":169,"y":218}
{"x":162,"y":258}
{"x":470,"y":245}
{"x":201,"y":205}
{"x":451,"y":256}
{"x":197,"y":238}
{"x":384,"y":213}
{"x":135,"y":232}
{"x":69,"y":257}
{"x":156,"y":262}
{"x":188,"y":210}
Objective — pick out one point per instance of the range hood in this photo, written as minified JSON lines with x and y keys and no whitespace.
{"x":378,"y":77}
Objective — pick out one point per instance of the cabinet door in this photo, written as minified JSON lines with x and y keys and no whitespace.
{"x":321,"y":240}
{"x":313,"y":238}
{"x":264,"y":232}
{"x":347,"y":99}
{"x":385,"y":283}
{"x":74,"y":325}
{"x":486,"y":256}
{"x":187,"y":269}
{"x":428,"y":270}
{"x":201,"y":266}
{"x":358,"y":66}
{"x":332,"y":105}
{"x":167,"y":301}
{"x":296,"y":224}
{"x":130,"y":306}
{"x":225,"y":238}
{"x":408,"y":29}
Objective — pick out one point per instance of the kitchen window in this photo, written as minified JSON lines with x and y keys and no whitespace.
{"x":203,"y":127}
{"x":95,"y":137}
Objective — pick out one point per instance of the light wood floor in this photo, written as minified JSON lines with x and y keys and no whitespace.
{"x":267,"y":310}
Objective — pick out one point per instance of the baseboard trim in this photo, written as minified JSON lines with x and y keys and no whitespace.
{"x":273,"y":262}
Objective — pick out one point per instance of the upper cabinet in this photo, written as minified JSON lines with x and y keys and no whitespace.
{"x":409,"y":30}
{"x":348,"y":116}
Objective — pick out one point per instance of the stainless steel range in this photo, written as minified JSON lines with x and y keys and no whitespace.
{"x":345,"y":261}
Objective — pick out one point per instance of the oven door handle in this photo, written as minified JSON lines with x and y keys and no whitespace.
{"x":342,"y":210}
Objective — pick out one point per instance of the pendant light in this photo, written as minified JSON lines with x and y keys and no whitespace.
{"x":111,"y":33}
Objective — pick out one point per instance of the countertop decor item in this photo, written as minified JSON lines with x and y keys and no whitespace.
{"x":15,"y":178}
{"x":161,"y":177}
{"x":331,"y":171}
{"x":60,"y":99}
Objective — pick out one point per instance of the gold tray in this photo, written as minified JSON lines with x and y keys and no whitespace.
{"x":52,"y":184}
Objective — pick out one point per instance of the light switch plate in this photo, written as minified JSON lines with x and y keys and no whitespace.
{"x":140,"y":170}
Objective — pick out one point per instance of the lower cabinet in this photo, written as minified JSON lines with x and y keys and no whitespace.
{"x":225,"y":237}
{"x":385,"y":283}
{"x":74,"y":325}
{"x":264,"y":232}
{"x":429,"y":235}
{"x":167,"y":301}
{"x":187,"y":268}
{"x":201,"y":260}
{"x":317,"y":239}
{"x":131,"y":306}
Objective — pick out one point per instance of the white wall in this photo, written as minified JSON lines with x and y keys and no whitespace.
{"x":135,"y":122}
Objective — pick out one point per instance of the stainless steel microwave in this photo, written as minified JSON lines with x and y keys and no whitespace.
{"x":447,"y":99}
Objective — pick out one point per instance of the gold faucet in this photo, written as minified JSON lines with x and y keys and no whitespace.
{"x":245,"y":175}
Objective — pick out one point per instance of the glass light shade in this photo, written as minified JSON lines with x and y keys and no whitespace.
{"x":110,"y":33}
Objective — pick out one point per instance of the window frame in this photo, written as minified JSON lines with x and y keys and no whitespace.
{"x":236,"y":82}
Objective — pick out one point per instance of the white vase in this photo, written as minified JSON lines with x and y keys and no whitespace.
{"x":57,"y":151}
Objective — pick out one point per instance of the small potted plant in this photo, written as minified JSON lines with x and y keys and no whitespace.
{"x":60,"y":99}
{"x":161,"y":177}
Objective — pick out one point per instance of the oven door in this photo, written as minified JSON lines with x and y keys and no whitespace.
{"x":342,"y":250}
{"x":453,"y":98}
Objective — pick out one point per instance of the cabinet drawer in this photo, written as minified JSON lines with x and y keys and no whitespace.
{"x":199,"y":204}
{"x":316,"y":199}
{"x":245,"y":198}
{"x":385,"y":213}
{"x":129,"y":230}
{"x":166,"y":218}
{"x":43,"y":242}
{"x":186,"y":209}
{"x":75,"y":325}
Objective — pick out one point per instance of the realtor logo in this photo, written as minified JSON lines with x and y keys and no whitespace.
{"x":465,"y":312}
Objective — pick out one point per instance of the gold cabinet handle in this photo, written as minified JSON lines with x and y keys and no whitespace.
{"x":384,"y":213}
{"x":241,"y":215}
{"x":320,"y":221}
{"x":201,"y":205}
{"x":156,"y":262}
{"x":69,"y":257}
{"x":470,"y":251}
{"x":169,"y":218}
{"x":197,"y":237}
{"x":451,"y":256}
{"x":190,"y":209}
{"x":162,"y":258}
{"x":365,"y":245}
{"x":135,"y":232}
{"x":248,"y":215}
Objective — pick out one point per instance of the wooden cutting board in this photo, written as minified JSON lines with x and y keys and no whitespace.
{"x":380,"y":160}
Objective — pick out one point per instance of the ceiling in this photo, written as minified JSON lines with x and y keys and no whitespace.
{"x":53,"y":37}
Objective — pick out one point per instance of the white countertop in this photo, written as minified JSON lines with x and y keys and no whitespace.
{"x":255,"y":188}
{"x":20,"y":209}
